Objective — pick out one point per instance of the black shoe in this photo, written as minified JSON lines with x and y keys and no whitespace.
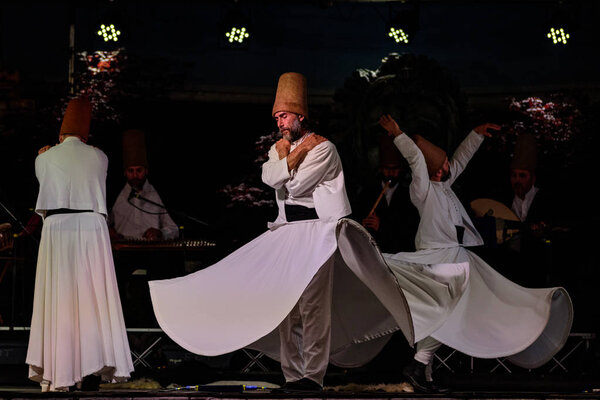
{"x":90,"y":383}
{"x":301,"y":386}
{"x":438,"y":388}
{"x":415,"y":373}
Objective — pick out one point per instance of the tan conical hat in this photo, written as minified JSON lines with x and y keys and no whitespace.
{"x":389,"y":155}
{"x":434,"y":156}
{"x":525,"y":156}
{"x":76,"y":120}
{"x":134,"y":149}
{"x":292,"y":94}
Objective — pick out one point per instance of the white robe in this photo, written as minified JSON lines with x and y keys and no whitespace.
{"x":467,"y":305}
{"x":77,"y":326}
{"x":318,"y":180}
{"x":239,"y":301}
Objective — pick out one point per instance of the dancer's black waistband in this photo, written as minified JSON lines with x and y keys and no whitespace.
{"x":460,"y":233}
{"x":299,"y":213}
{"x":65,"y":211}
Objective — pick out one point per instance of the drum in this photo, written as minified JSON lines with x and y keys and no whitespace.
{"x":6,"y":237}
{"x":506,"y":220}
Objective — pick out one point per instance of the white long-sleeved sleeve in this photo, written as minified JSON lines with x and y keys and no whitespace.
{"x":420,"y":183}
{"x":320,"y":164}
{"x":275,"y":171}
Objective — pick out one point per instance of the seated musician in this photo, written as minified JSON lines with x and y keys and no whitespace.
{"x":393,"y":208}
{"x":531,"y":205}
{"x":527,"y":202}
{"x":525,"y":255}
{"x":138,"y":216}
{"x":138,"y":212}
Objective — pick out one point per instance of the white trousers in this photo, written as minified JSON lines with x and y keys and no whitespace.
{"x":305,"y":333}
{"x":426,"y":348}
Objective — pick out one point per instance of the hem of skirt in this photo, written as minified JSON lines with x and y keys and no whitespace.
{"x":39,"y":376}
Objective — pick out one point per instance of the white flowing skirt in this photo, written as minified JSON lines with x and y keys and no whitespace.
{"x":77,"y":326}
{"x":449,"y":294}
{"x":240,"y":301}
{"x":458,"y":299}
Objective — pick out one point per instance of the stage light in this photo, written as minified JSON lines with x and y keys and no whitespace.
{"x":109,"y":33}
{"x":563,"y":22}
{"x":558,"y":35}
{"x":237,"y":34}
{"x":404,"y":24}
{"x":398,"y":35}
{"x":236,"y":30}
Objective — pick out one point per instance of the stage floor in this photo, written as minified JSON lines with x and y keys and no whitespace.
{"x":574,"y":376}
{"x":15,"y":393}
{"x":260,"y":385}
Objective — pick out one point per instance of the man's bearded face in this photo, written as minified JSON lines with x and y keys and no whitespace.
{"x":390,"y":173}
{"x":521,"y":181}
{"x":289,"y":125}
{"x":293,"y":132}
{"x":136,"y":176}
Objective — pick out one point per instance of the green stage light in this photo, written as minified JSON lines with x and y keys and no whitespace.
{"x":558,"y":36}
{"x":398,"y":35}
{"x":403,"y":24}
{"x":109,"y":33}
{"x":237,"y":35}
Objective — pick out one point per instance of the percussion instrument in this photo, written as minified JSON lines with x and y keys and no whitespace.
{"x":493,"y":208}
{"x":162,"y":245}
{"x":506,"y":220}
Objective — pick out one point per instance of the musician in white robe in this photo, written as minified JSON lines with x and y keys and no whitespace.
{"x":466,"y":304}
{"x":139,"y":212}
{"x":77,"y":326}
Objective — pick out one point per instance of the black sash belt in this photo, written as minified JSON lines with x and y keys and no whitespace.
{"x":65,"y":211}
{"x":299,"y":213}
{"x":460,"y":233}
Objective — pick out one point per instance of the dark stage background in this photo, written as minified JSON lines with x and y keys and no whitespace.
{"x":204,"y":106}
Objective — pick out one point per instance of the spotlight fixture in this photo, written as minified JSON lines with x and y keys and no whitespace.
{"x":109,"y":33}
{"x":235,"y":30}
{"x":237,"y":34}
{"x":558,"y":35}
{"x":398,"y":35}
{"x":562,"y":22}
{"x":404,"y":24}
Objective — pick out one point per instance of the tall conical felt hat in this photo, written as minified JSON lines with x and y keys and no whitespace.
{"x":434,"y":156}
{"x":292,"y":94}
{"x":134,"y":148}
{"x":389,"y":155}
{"x":76,"y":120}
{"x":525,"y":156}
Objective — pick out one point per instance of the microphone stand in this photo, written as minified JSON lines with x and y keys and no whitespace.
{"x":138,"y":196}
{"x":18,"y":222}
{"x":14,"y":259}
